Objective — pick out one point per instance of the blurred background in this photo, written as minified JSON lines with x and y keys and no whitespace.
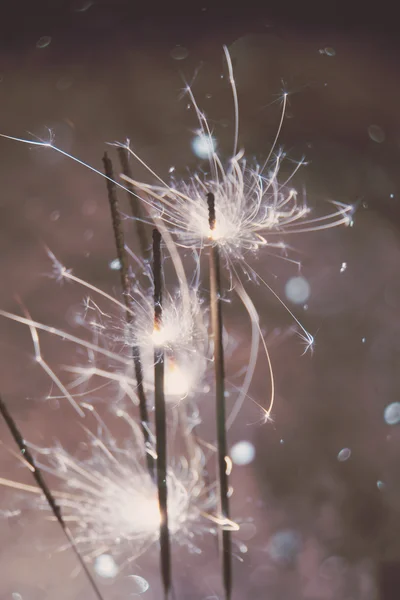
{"x":320,"y":499}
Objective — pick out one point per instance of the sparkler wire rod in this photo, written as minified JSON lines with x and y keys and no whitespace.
{"x":217,"y":331}
{"x":121,"y":253}
{"x":37,"y":474}
{"x":134,"y":203}
{"x":160,"y":418}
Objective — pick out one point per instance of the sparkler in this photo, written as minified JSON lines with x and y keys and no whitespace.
{"x":120,"y":245}
{"x":43,"y":487}
{"x":161,"y":425}
{"x":134,"y":203}
{"x":217,"y":332}
{"x":252,"y":209}
{"x":111,"y":502}
{"x":236,"y":211}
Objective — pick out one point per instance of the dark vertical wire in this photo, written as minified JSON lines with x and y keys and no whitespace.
{"x":55,"y":509}
{"x":121,"y":254}
{"x":160,"y":418}
{"x":217,"y":331}
{"x":134,"y":203}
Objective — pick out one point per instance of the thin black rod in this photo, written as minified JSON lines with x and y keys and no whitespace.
{"x":37,"y":474}
{"x":134,"y":203}
{"x":121,"y":254}
{"x":160,"y":418}
{"x":217,"y":331}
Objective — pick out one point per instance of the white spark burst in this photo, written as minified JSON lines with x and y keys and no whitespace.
{"x":253,"y":210}
{"x":183,"y":335}
{"x":110,"y":502}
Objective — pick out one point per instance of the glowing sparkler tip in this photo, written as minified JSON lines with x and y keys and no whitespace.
{"x":159,"y":336}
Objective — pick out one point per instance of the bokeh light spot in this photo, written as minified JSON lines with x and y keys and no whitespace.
{"x":139,"y":585}
{"x":297,"y":290}
{"x":344,"y":454}
{"x":392,"y":413}
{"x":376,"y":134}
{"x":243,"y":453}
{"x":284,"y":546}
{"x":105,"y":566}
{"x":179,"y":53}
{"x":204,"y":146}
{"x":43,"y":42}
{"x":115,"y":264}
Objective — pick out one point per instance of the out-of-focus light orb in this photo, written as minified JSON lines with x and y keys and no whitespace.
{"x":242,"y":453}
{"x":376,"y":134}
{"x":179,"y":53}
{"x":344,"y":454}
{"x":343,"y":267}
{"x":284,"y":546}
{"x":329,"y":51}
{"x":391,"y":413}
{"x":43,"y":42}
{"x":380,"y":485}
{"x":115,"y":265}
{"x":139,"y":585}
{"x":204,"y":146}
{"x":297,"y":290}
{"x":105,"y":566}
{"x":16,"y":596}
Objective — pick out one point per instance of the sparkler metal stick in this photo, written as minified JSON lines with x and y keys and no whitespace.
{"x":217,"y":330}
{"x":136,"y":208}
{"x":161,"y":429}
{"x":121,"y":253}
{"x":37,"y":474}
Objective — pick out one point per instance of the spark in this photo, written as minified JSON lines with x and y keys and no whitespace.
{"x":183,"y":334}
{"x":251,"y":210}
{"x":254,"y":209}
{"x":110,"y":501}
{"x":252,"y":205}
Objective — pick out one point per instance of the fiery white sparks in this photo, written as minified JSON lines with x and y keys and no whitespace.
{"x":253,"y":210}
{"x":110,"y":499}
{"x":110,"y":502}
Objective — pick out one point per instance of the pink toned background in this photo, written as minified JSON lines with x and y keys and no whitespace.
{"x":96,"y":82}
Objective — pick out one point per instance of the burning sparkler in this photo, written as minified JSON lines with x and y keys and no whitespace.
{"x":157,"y":348}
{"x":110,"y":502}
